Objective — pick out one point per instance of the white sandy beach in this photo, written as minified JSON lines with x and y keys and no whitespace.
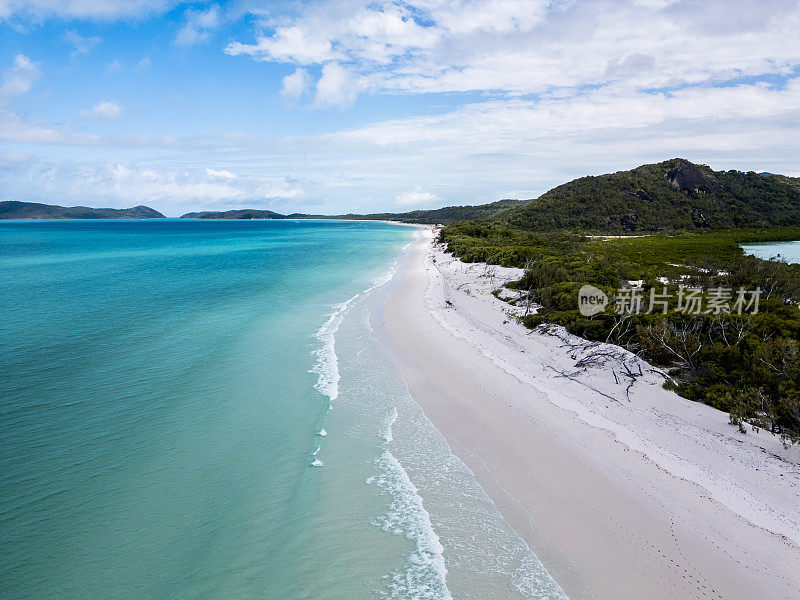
{"x":622,"y":493}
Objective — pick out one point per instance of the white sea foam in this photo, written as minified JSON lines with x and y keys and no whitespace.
{"x":533,"y":581}
{"x":387,"y":425}
{"x":327,"y":364}
{"x":417,"y":236}
{"x":424,"y":575}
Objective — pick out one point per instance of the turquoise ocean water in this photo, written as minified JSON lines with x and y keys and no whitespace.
{"x":202,"y":409}
{"x":788,"y":251}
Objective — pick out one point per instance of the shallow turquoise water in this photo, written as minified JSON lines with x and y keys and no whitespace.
{"x":788,"y":251}
{"x":164,"y":387}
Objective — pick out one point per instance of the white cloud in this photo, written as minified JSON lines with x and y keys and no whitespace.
{"x":198,"y":26}
{"x":14,"y":159}
{"x":286,"y":189}
{"x":136,"y":184}
{"x":16,"y":130}
{"x":416,"y":197}
{"x":104,"y":111}
{"x":336,"y":87}
{"x":19,"y":78}
{"x":287,"y":44}
{"x":492,"y":16}
{"x":533,"y":145}
{"x":81,"y":44}
{"x":119,"y":185}
{"x":475,"y":153}
{"x":516,"y":47}
{"x":296,"y":84}
{"x":115,"y":66}
{"x":219,"y":174}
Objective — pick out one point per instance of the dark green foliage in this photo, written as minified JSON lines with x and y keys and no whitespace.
{"x":675,"y":194}
{"x":33,"y":210}
{"x":246,"y":213}
{"x":531,"y":321}
{"x":443,"y":216}
{"x":746,"y":365}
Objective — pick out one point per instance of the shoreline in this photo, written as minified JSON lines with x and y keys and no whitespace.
{"x":655,"y":497}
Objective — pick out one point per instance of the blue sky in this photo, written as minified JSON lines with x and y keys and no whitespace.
{"x":328,"y":107}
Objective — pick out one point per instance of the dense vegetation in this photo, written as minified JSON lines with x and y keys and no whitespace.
{"x":748,"y":364}
{"x":33,"y":210}
{"x":675,"y":194}
{"x":443,"y":216}
{"x":448,"y":214}
{"x":246,"y":213}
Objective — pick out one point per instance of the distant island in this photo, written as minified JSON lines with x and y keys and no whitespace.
{"x":33,"y":210}
{"x":443,"y":216}
{"x":246,"y":213}
{"x":448,"y":214}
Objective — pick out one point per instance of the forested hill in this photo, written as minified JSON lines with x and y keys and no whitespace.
{"x":675,"y":194}
{"x":246,"y":213}
{"x":34,"y":210}
{"x":448,"y":214}
{"x":445,"y":215}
